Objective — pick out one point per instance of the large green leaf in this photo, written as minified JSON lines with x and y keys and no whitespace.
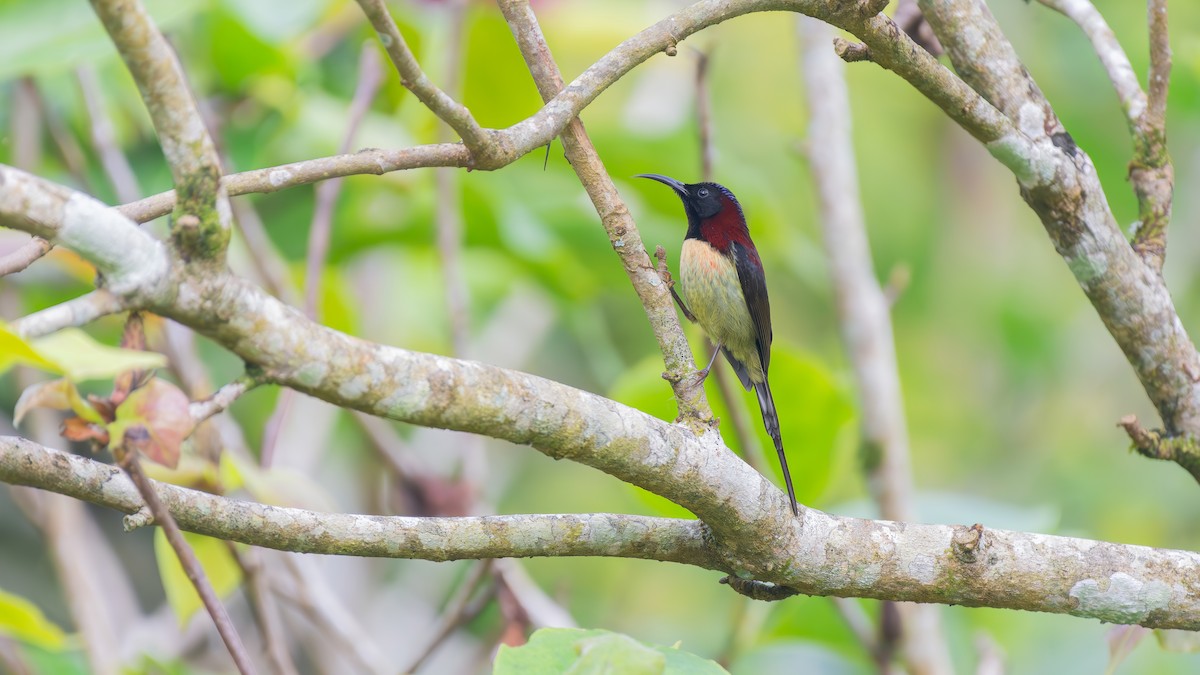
{"x":22,"y":620}
{"x":16,"y":350}
{"x":214,"y":556}
{"x":79,"y":357}
{"x":551,"y":651}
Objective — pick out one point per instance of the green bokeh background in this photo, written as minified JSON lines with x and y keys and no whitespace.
{"x":1012,"y":386}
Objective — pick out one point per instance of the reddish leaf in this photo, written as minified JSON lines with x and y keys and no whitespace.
{"x":106,"y":407}
{"x":79,"y":429}
{"x":153,"y":420}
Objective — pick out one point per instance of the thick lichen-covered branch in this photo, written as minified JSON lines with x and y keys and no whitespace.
{"x":1059,"y":182}
{"x":24,"y":462}
{"x":827,"y":555}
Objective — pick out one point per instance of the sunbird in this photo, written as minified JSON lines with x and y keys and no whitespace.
{"x":725,"y":291}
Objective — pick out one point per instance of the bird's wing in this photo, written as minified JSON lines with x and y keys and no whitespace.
{"x":754,"y":288}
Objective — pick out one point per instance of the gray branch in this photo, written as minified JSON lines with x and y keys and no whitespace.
{"x":819,"y":554}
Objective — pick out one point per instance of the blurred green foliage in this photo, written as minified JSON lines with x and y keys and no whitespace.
{"x":1012,"y":385}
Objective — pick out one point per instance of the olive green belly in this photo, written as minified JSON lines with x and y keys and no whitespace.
{"x":714,"y":295}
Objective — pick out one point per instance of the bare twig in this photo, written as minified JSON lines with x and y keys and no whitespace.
{"x":275,"y":178}
{"x":448,"y":209}
{"x":455,"y":614}
{"x":76,"y":312}
{"x":614,"y":215}
{"x":865,"y":323}
{"x":26,"y":125}
{"x":1112,"y":55}
{"x":369,"y":77}
{"x":413,"y":78}
{"x":222,"y":399}
{"x":129,"y":461}
{"x":117,"y":167}
{"x":266,"y":610}
{"x":29,"y":253}
{"x":1151,"y":172}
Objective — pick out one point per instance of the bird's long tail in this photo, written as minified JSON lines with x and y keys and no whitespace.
{"x":771,"y":421}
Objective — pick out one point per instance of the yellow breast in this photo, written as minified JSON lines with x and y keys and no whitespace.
{"x":714,"y":295}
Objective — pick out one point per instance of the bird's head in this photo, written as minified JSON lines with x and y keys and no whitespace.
{"x":713,"y":213}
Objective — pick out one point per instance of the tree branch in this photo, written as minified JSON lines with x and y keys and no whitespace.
{"x":28,"y":253}
{"x":1059,"y":182}
{"x":1151,"y":171}
{"x":414,"y":79}
{"x":201,"y":218}
{"x":76,"y":312}
{"x":132,"y":261}
{"x":23,"y":462}
{"x":830,"y":555}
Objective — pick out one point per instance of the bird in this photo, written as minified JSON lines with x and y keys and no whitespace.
{"x":725,"y":291}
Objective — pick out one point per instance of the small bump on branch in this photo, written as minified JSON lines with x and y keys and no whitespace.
{"x":851,"y":52}
{"x":869,"y":8}
{"x":1182,"y":449}
{"x":759,"y":590}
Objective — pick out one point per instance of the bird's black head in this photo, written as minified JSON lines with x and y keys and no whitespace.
{"x":713,"y":212}
{"x":703,"y":200}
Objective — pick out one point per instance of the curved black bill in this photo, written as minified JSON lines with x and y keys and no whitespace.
{"x":677,"y":186}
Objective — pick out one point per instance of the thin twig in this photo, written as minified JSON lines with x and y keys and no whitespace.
{"x":448,"y":210}
{"x":622,"y":231}
{"x":26,"y":126}
{"x":414,"y":79}
{"x":369,"y":77}
{"x":129,"y":461}
{"x":455,"y":613}
{"x":266,"y":610}
{"x":1112,"y":55}
{"x":124,"y":181}
{"x":865,"y":325}
{"x":27,"y":254}
{"x":221,"y":399}
{"x":1151,"y":172}
{"x":75,"y":312}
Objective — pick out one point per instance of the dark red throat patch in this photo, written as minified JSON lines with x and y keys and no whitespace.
{"x":726,"y":228}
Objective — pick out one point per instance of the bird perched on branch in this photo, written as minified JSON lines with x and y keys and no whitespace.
{"x":726,"y":293}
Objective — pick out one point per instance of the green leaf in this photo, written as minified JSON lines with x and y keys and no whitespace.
{"x":15,"y":350}
{"x":551,"y":651}
{"x":22,"y":620}
{"x":813,"y":407}
{"x":76,"y":355}
{"x":214,"y":556}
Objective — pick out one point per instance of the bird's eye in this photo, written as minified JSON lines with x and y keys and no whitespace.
{"x":702,"y":193}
